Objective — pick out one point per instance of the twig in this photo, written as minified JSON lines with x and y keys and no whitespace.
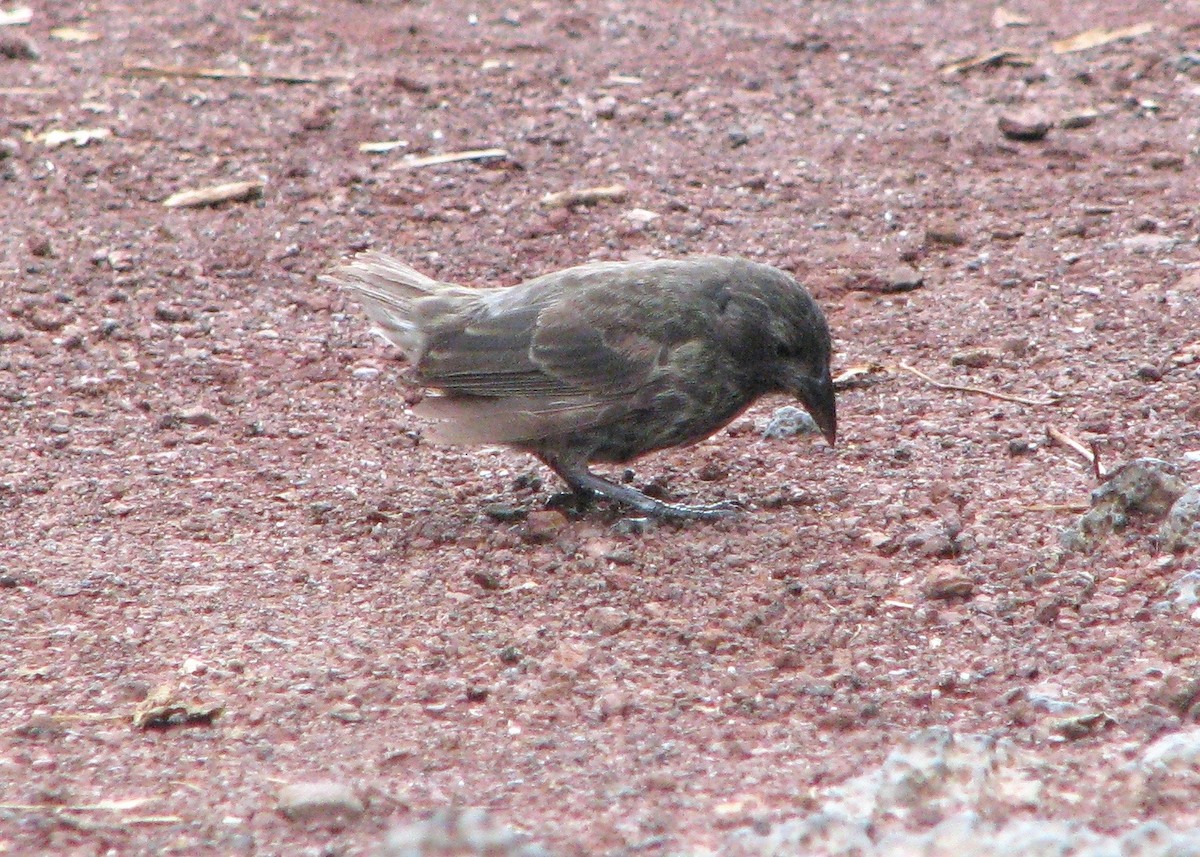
{"x":983,"y":391}
{"x":1096,"y":469}
{"x":103,"y":806}
{"x":228,"y":192}
{"x":150,"y":70}
{"x":1058,"y":507}
{"x":585,"y":196}
{"x":1061,"y":437}
{"x":453,"y":158}
{"x":1012,"y":56}
{"x":1099,"y":36}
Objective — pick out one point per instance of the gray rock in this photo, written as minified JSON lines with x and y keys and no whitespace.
{"x":789,"y":421}
{"x":466,"y":832}
{"x":964,"y":780}
{"x":1149,"y":243}
{"x":1144,"y":486}
{"x":1181,"y":530}
{"x":320,"y":801}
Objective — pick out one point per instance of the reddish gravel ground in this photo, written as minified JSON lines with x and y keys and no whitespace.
{"x":210,"y":479}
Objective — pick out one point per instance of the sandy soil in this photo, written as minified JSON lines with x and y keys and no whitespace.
{"x":210,"y":479}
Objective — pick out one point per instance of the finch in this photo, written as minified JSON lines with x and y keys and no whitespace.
{"x":604,"y":362}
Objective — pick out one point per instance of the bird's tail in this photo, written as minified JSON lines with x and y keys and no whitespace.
{"x":388,"y":290}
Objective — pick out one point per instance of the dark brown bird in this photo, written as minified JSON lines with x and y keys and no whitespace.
{"x":603,"y":362}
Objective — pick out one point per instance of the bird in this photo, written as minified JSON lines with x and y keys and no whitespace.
{"x":603,"y":362}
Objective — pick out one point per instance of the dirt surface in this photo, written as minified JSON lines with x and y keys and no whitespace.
{"x":210,"y":479}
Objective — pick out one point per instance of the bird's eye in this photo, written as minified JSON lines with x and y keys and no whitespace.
{"x":782,"y":350}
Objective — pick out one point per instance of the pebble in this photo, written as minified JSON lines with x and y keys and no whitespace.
{"x":40,"y":246}
{"x":1020,"y":446}
{"x":18,"y":48}
{"x":607,"y":621}
{"x":945,"y":233}
{"x":465,"y":831}
{"x":322,"y":800}
{"x":1026,"y":127}
{"x":606,"y":108}
{"x":973,"y":358}
{"x":902,"y":278}
{"x":789,"y":421}
{"x":365,"y":373}
{"x":1079,"y":119}
{"x":1167,"y":161}
{"x":1147,"y":243}
{"x":1181,"y":529}
{"x":948,"y":581}
{"x":543,"y":525}
{"x":641,"y":215}
{"x":46,"y":321}
{"x":197,"y":416}
{"x":171,"y":314}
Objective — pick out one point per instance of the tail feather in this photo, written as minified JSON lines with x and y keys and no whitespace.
{"x":387,"y":289}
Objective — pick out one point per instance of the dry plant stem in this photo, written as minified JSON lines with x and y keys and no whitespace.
{"x":1058,"y":507}
{"x":453,"y":158}
{"x":585,"y":196}
{"x":149,"y":70}
{"x":1091,"y":456}
{"x":982,"y":391}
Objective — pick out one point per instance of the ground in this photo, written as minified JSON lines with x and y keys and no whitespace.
{"x":212,"y":486}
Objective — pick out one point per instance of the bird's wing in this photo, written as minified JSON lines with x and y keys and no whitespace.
{"x":556,"y":342}
{"x":541,"y":360}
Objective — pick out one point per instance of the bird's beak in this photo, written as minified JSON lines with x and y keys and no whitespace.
{"x":816,"y":394}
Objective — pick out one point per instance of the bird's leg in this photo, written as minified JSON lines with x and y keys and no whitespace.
{"x":583,"y":481}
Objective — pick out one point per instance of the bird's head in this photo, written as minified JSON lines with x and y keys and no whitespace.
{"x":792,"y":344}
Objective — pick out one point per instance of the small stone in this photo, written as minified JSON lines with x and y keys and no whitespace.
{"x":1181,"y":530}
{"x":505,"y":513}
{"x":948,"y":581}
{"x":945,"y":233}
{"x":789,"y":421}
{"x":10,"y":333}
{"x":40,"y":246}
{"x":319,"y":801}
{"x":18,"y":48}
{"x":607,"y":620}
{"x":902,"y":278}
{"x":410,"y":84}
{"x":317,"y":118}
{"x":641,"y":216}
{"x":487,"y":578}
{"x":1167,"y":161}
{"x":458,"y":831}
{"x":197,"y":416}
{"x":170,"y":314}
{"x":1079,"y":119}
{"x":543,"y":525}
{"x":1026,"y":127}
{"x":1017,"y":346}
{"x":1148,"y":243}
{"x":1019,"y":446}
{"x":738,"y":138}
{"x":1149,"y":373}
{"x":973,"y":358}
{"x":47,"y":321}
{"x":606,"y":108}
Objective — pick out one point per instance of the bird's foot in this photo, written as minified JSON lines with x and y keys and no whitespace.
{"x":587,"y":483}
